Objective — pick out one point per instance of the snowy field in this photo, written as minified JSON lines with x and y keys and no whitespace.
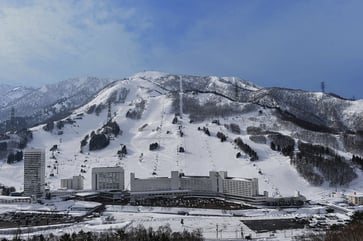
{"x":229,"y":226}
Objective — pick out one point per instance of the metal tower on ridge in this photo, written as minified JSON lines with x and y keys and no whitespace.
{"x":235,"y":89}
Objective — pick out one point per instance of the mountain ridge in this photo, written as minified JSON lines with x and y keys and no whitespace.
{"x":42,"y":103}
{"x":10,"y":93}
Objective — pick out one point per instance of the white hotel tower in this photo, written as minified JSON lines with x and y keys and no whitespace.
{"x":34,"y":172}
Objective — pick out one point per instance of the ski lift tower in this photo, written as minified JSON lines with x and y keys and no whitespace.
{"x":109,"y":115}
{"x":12,"y":120}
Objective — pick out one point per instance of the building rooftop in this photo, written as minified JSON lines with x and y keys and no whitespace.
{"x":151,"y":178}
{"x":239,"y":179}
{"x":86,"y":194}
{"x":355,"y":194}
{"x":161,"y":192}
{"x":12,"y":198}
{"x":196,"y":177}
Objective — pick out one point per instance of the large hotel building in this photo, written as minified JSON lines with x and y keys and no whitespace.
{"x":34,"y":172}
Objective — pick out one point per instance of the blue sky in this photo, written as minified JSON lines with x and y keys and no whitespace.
{"x":293,"y":44}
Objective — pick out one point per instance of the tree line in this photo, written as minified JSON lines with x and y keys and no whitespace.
{"x":318,"y":164}
{"x":246,"y":149}
{"x":139,"y":233}
{"x":358,"y":160}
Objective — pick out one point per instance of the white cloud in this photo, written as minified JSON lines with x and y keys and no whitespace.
{"x":51,"y":40}
{"x":305,"y":42}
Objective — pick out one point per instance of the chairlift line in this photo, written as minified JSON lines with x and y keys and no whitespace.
{"x":181,"y":97}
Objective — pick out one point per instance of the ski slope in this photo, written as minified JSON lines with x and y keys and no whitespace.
{"x":202,"y":153}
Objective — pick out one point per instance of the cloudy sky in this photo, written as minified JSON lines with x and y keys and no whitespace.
{"x":294,"y":44}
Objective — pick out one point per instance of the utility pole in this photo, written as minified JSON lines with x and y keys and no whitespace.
{"x":217,"y":231}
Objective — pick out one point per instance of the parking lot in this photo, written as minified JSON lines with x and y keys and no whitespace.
{"x":268,"y":225}
{"x":28,"y":219}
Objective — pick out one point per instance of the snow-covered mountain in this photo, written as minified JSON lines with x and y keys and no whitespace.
{"x":10,"y":93}
{"x":324,"y":110}
{"x":47,"y":101}
{"x":177,"y":110}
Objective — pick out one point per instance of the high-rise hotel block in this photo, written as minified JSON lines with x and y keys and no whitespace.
{"x":34,"y":172}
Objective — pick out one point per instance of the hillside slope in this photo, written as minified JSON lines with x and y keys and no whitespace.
{"x":151,"y":101}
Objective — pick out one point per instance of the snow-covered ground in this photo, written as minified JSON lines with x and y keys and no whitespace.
{"x":229,"y":223}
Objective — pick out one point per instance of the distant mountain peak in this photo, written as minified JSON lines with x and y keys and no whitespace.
{"x":9,"y":93}
{"x":50,"y":100}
